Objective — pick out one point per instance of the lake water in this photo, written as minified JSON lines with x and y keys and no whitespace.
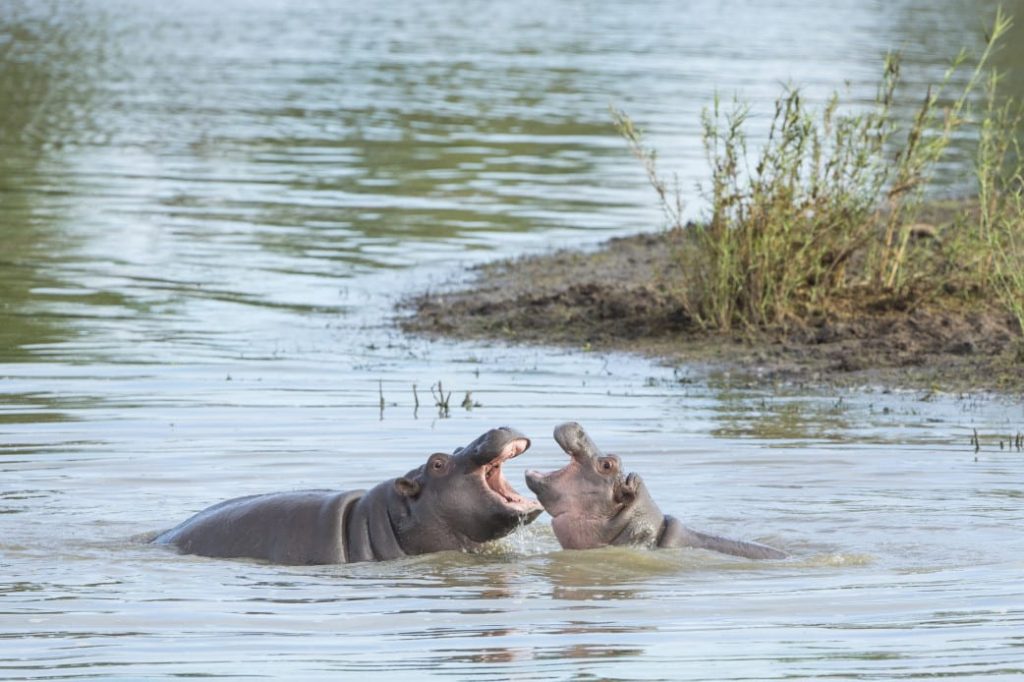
{"x":208,"y":211}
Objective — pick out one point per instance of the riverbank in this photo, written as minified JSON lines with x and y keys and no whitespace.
{"x":619,"y":297}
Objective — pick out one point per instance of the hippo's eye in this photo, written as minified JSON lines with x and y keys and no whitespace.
{"x":607,"y":464}
{"x":438,"y":463}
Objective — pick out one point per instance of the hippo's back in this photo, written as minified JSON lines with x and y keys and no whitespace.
{"x":301,"y":527}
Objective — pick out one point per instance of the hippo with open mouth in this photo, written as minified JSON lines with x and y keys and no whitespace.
{"x":593,"y":504}
{"x":452,"y":502}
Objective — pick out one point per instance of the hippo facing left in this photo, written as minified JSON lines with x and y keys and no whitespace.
{"x":593,"y":504}
{"x":452,"y":502}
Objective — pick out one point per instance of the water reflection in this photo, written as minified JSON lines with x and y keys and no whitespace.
{"x":578,"y":651}
{"x":47,"y":78}
{"x":177,"y":184}
{"x":609,"y":573}
{"x":553,"y":653}
{"x":31,"y":408}
{"x":781,"y":418}
{"x":49,"y":68}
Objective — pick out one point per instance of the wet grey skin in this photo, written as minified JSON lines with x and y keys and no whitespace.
{"x":451,"y":502}
{"x":592,"y":504}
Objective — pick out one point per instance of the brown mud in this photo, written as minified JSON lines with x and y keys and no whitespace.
{"x":619,"y":297}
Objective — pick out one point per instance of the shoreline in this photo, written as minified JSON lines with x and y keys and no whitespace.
{"x":618,"y":297}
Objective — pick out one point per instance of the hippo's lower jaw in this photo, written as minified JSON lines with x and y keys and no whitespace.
{"x":496,"y":483}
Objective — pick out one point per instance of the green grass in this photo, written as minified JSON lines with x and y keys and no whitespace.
{"x":998,"y":238}
{"x":827,"y":212}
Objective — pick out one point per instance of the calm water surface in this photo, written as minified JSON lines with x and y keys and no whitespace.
{"x":207,"y":213}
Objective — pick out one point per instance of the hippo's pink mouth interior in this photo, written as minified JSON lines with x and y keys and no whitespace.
{"x":495,"y":479}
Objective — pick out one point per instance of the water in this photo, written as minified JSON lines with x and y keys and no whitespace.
{"x":208,"y":212}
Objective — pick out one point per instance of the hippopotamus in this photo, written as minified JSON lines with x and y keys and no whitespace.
{"x":593,"y":504}
{"x":451,"y":502}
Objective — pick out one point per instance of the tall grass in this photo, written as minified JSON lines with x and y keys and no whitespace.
{"x":827,"y":209}
{"x":1000,"y":222}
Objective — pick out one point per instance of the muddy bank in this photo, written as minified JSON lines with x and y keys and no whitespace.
{"x":619,"y":297}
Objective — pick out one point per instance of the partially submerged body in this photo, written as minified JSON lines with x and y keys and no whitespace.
{"x":593,"y":504}
{"x":452,"y":502}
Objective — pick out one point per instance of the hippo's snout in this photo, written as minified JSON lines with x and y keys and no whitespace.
{"x":535,"y":482}
{"x":571,"y":437}
{"x":497,"y":445}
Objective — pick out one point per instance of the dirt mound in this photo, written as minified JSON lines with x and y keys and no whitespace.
{"x":619,"y":298}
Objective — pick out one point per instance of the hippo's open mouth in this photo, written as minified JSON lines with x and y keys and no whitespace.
{"x":552,"y":488}
{"x":496,"y":481}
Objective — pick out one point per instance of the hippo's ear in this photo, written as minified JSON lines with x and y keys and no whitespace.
{"x":627,"y":490}
{"x":407,"y":487}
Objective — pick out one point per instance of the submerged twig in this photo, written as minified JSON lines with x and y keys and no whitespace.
{"x":441,"y":399}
